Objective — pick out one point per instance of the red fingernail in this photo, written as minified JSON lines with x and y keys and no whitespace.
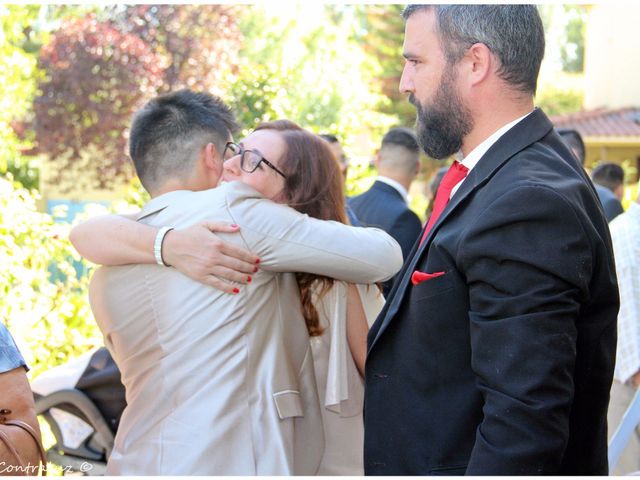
{"x":255,"y":269}
{"x":257,"y":261}
{"x":234,"y":226}
{"x":236,"y":290}
{"x":248,"y":279}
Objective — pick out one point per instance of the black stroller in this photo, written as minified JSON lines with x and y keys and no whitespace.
{"x":82,"y":401}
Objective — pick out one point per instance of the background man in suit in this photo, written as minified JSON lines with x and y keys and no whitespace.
{"x":608,"y":179}
{"x":494,"y":353}
{"x":384,"y":205}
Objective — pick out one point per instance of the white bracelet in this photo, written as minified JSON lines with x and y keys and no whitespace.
{"x":157,"y":245}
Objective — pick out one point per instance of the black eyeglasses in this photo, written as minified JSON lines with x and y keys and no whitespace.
{"x":250,"y":160}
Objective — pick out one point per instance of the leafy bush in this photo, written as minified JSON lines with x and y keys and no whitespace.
{"x":49,"y":315}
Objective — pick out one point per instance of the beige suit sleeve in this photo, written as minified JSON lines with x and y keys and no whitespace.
{"x":288,"y":241}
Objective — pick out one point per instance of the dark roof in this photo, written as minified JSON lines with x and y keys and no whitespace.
{"x":622,"y":122}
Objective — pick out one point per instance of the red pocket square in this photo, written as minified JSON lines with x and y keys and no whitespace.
{"x":418,"y":277}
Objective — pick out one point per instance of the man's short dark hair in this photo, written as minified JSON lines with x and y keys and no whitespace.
{"x":400,"y":152}
{"x":609,"y":175}
{"x":169,"y":132}
{"x":402,"y":136}
{"x":514,"y":33}
{"x":574,"y":141}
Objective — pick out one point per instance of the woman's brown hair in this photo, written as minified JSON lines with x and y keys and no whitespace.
{"x":313,"y":186}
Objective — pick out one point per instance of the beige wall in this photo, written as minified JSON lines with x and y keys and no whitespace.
{"x":612,"y":55}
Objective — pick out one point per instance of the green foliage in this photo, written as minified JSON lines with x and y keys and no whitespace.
{"x":309,"y":67}
{"x":51,"y":317}
{"x":556,"y":100}
{"x":381,"y":36}
{"x":196,"y":45}
{"x":18,"y":75}
{"x":96,"y":77}
{"x":572,"y":49}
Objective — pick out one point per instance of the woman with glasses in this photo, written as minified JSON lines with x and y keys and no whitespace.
{"x":338,"y":315}
{"x":291,"y":166}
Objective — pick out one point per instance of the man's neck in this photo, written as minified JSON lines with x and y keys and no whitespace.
{"x":490,"y":120}
{"x":171,"y":186}
{"x":406,"y":183}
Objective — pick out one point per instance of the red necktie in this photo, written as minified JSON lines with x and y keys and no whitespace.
{"x":456,"y":172}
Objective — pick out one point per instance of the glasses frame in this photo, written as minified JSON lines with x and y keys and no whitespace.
{"x":242,"y":158}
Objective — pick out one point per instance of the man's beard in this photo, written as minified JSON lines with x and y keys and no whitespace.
{"x":442,"y":125}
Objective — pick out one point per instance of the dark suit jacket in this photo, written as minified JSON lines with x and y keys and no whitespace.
{"x":382,"y":206}
{"x":610,"y":203}
{"x":503,"y":364}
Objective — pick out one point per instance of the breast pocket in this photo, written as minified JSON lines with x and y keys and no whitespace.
{"x":433,"y":286}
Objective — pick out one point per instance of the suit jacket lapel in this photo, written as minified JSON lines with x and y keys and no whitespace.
{"x":528,"y":131}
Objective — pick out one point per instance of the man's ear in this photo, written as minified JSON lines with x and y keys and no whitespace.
{"x":376,"y":160}
{"x":479,"y":63}
{"x":212,"y":159}
{"x":418,"y":168}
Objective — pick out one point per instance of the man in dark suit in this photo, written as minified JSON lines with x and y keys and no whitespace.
{"x":384,"y":205}
{"x":608,"y":179}
{"x":494,"y":353}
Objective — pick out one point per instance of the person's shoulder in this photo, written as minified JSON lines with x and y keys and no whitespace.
{"x":10,"y":357}
{"x":625,"y":221}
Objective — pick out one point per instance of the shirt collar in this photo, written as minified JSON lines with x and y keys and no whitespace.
{"x":160,"y":203}
{"x":392,"y":183}
{"x":474,"y":156}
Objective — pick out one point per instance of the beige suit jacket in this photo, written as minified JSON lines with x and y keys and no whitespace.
{"x":222,"y":384}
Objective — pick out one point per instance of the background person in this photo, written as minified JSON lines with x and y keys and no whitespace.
{"x":343,"y":161}
{"x":431,"y":189}
{"x":574,"y":141}
{"x":625,"y":235}
{"x":16,"y":404}
{"x":608,"y":179}
{"x":385,"y":204}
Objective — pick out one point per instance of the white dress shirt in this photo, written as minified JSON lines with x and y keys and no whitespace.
{"x":477,"y":153}
{"x":625,"y":234}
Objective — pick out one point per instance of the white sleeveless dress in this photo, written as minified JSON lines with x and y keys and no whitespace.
{"x":340,"y":387}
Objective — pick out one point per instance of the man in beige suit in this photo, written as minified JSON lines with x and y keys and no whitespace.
{"x":219,"y":384}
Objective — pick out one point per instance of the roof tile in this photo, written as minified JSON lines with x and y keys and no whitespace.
{"x":622,"y":122}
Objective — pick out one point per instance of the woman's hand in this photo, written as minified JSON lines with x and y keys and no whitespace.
{"x":198,"y":253}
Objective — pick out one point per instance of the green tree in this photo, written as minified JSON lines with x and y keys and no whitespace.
{"x":196,"y":45}
{"x":24,"y":29}
{"x":572,"y":49}
{"x":556,"y":100}
{"x":51,"y":317}
{"x":305,"y":63}
{"x":381,"y":35}
{"x":18,"y":74}
{"x":96,"y":77}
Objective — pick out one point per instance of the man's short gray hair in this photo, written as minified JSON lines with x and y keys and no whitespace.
{"x":514,"y":33}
